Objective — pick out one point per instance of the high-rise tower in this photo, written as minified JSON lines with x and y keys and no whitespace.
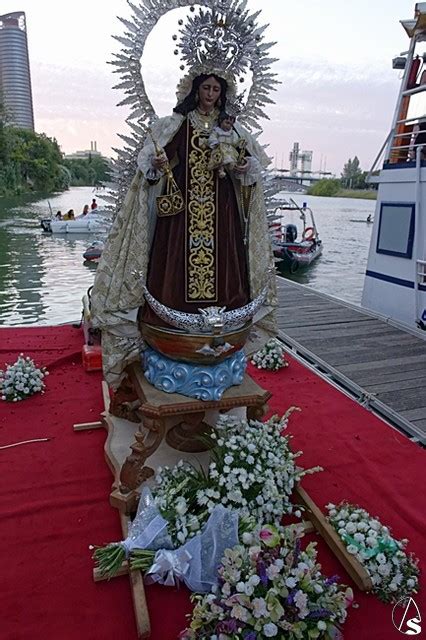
{"x":15,"y":80}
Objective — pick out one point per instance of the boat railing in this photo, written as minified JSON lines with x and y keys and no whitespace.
{"x":421,"y":271}
{"x":398,"y":152}
{"x":378,"y":159}
{"x":414,"y":90}
{"x":291,"y":205}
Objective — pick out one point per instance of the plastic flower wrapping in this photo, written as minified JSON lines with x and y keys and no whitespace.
{"x":270,"y":588}
{"x":393,"y":572}
{"x":21,"y":379}
{"x":271,"y":356}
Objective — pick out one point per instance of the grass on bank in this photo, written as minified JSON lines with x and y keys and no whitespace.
{"x":333,"y":188}
{"x":366,"y":194}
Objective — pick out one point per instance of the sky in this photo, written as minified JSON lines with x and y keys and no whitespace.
{"x":338,"y":90}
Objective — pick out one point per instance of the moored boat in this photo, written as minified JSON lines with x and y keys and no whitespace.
{"x":91,"y":223}
{"x":395,"y":282}
{"x":292,"y":254}
{"x":94,"y":251}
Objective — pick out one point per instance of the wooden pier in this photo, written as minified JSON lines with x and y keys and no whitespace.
{"x":380,"y":364}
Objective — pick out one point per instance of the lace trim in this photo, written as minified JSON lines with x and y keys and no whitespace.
{"x":203,"y":123}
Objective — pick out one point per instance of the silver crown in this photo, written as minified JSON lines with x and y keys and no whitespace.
{"x":222,"y":38}
{"x":235,"y":106}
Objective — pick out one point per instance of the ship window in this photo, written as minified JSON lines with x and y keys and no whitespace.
{"x":396,"y":229}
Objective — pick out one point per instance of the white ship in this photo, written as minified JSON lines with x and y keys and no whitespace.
{"x":395,"y":282}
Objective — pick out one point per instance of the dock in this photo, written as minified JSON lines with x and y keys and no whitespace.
{"x":375,"y":360}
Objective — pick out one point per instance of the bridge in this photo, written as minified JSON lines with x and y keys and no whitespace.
{"x":301,"y":178}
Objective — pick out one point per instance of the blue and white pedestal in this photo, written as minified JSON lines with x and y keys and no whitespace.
{"x":203,"y":382}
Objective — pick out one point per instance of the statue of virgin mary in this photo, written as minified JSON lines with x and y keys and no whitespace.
{"x":188,"y":238}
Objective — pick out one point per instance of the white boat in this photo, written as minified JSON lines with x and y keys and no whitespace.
{"x":290,"y":252}
{"x":91,"y":223}
{"x":395,"y":282}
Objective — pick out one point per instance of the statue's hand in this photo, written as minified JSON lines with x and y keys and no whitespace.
{"x":241,"y":168}
{"x":159,"y":162}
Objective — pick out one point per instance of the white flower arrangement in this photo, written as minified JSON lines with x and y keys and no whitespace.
{"x":253,"y":471}
{"x":21,"y":379}
{"x":271,"y":589}
{"x":393,"y":572}
{"x":271,"y":356}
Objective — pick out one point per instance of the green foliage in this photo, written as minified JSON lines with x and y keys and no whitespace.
{"x":352,"y":175}
{"x":325,"y":187}
{"x":87,"y":171}
{"x":29,"y":161}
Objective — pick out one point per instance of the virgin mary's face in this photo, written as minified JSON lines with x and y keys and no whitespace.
{"x":209,"y":94}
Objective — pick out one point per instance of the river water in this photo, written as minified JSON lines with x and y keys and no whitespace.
{"x":43,"y":277}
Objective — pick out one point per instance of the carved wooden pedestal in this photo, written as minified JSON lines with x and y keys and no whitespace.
{"x":179,"y":421}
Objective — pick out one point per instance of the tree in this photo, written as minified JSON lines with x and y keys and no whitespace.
{"x":89,"y":171}
{"x":324,"y":187}
{"x":352,"y":175}
{"x":30,"y":161}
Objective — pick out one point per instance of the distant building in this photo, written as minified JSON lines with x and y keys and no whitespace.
{"x":81,"y":155}
{"x":300,"y":161}
{"x":15,"y":79}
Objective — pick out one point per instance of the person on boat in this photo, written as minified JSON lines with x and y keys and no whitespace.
{"x":94,"y":205}
{"x":196,"y":255}
{"x":85,"y":211}
{"x":58,"y":215}
{"x":369,"y":218}
{"x":69,"y":215}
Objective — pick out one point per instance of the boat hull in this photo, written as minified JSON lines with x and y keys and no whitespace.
{"x":395,"y":281}
{"x":94,"y":252}
{"x":295,"y":256}
{"x":89,"y":224}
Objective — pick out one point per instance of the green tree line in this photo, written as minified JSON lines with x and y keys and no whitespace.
{"x":32,"y":161}
{"x":352,"y":177}
{"x":29,"y":162}
{"x":91,"y":171}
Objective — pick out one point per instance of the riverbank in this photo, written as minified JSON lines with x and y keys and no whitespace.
{"x":332,"y":188}
{"x":358,"y":194}
{"x":365,"y":194}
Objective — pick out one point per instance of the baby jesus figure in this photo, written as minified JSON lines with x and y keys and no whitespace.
{"x":226,"y":145}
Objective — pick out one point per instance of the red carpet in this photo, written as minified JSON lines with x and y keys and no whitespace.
{"x":54,"y":497}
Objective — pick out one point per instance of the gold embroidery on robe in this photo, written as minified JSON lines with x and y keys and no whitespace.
{"x":201,"y":225}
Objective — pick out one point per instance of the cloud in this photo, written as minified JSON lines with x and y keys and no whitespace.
{"x":336,"y":110}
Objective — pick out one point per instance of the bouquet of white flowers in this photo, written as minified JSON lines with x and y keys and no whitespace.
{"x":21,"y":379}
{"x":271,"y":356}
{"x":252,"y":472}
{"x":270,"y":589}
{"x":393,"y":572}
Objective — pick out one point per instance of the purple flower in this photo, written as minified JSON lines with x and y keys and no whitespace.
{"x":290,"y":598}
{"x":252,"y":635}
{"x":296,"y":552}
{"x":261,"y":572}
{"x":332,"y":580}
{"x":319,"y":614}
{"x":227,"y":626}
